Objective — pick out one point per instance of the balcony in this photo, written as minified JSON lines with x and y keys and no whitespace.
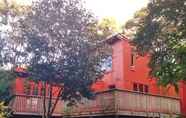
{"x":125,"y":103}
{"x":32,"y":105}
{"x":112,"y":102}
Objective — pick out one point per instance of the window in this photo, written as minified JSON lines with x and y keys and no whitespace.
{"x":112,"y":86}
{"x":42,"y":91}
{"x":146,"y":89}
{"x":140,"y":87}
{"x":49,"y":91}
{"x":35,"y":89}
{"x":135,"y":87}
{"x":133,"y":57}
{"x":27,"y":87}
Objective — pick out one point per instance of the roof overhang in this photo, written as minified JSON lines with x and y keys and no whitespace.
{"x":113,"y":39}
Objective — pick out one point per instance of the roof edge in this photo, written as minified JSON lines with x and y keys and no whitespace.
{"x":113,"y":39}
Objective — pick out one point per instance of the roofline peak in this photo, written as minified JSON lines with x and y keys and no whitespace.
{"x":114,"y":38}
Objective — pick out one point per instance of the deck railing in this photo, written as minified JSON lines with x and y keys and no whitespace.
{"x":32,"y":105}
{"x":112,"y":102}
{"x":128,"y":103}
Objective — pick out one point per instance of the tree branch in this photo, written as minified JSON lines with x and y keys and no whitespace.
{"x":56,"y":101}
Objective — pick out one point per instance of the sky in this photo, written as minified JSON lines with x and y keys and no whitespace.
{"x":121,"y":10}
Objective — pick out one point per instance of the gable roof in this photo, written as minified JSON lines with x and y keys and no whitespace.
{"x":114,"y":38}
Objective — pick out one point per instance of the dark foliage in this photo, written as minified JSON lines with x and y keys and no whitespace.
{"x":163,"y":35}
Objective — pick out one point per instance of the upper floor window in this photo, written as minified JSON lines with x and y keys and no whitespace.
{"x":133,"y":57}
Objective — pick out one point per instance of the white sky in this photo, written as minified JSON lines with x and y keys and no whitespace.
{"x":121,"y":10}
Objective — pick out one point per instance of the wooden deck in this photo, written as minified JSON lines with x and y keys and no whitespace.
{"x":126,"y":103}
{"x":107,"y":103}
{"x":31,"y":105}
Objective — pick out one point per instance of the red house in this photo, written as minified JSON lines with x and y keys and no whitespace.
{"x":130,"y":71}
{"x":126,"y":90}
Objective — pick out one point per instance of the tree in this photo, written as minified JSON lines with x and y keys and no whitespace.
{"x":6,"y":80}
{"x":58,"y":48}
{"x":100,"y":31}
{"x":163,"y":35}
{"x":131,"y":27}
{"x":9,"y":12}
{"x":108,"y":26}
{"x":3,"y":110}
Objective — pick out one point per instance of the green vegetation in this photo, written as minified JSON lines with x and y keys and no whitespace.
{"x":162,"y":32}
{"x":58,"y":43}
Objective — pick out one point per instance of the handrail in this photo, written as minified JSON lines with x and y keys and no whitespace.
{"x":34,"y":96}
{"x":122,"y":101}
{"x":150,"y":94}
{"x":111,"y":101}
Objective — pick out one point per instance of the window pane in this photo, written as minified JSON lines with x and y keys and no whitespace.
{"x":112,"y":86}
{"x":146,"y":89}
{"x":42,"y":91}
{"x":35,"y":91}
{"x":27,"y":87}
{"x":141,"y":87}
{"x":133,"y":57}
{"x":135,"y":87}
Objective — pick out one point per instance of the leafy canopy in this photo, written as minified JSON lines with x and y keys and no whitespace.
{"x":163,"y":34}
{"x":55,"y":42}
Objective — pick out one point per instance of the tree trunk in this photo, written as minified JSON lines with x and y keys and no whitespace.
{"x":56,"y":101}
{"x":49,"y":115}
{"x":44,"y":101}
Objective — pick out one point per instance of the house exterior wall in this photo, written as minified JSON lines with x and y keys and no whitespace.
{"x":25,"y":87}
{"x":124,"y":75}
{"x":182,"y":93}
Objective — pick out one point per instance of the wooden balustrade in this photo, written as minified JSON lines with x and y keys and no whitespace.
{"x":32,"y":105}
{"x":127,"y":103}
{"x":112,"y":102}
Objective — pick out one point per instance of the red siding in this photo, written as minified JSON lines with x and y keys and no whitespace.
{"x":20,"y":88}
{"x":183,"y":97}
{"x":123,"y":75}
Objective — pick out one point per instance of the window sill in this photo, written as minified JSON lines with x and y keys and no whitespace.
{"x":132,"y":68}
